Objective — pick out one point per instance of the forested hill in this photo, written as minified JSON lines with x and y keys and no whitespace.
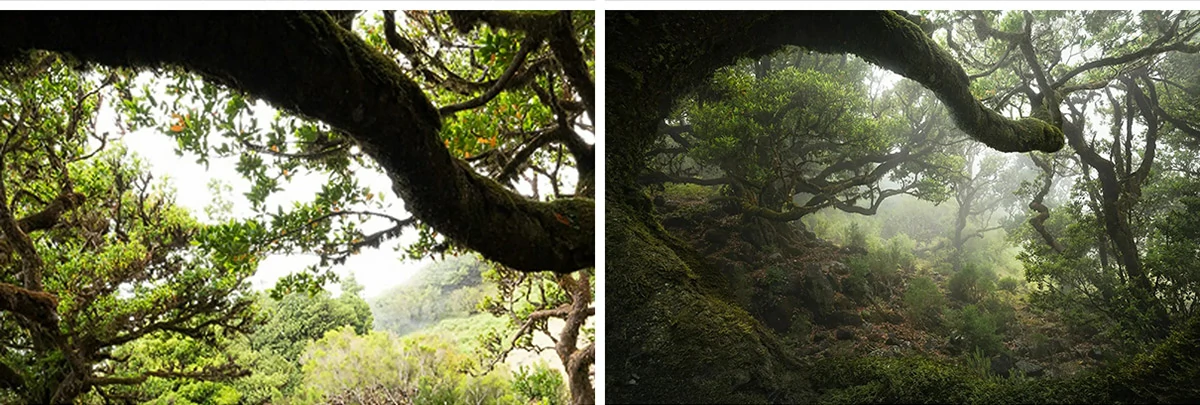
{"x":450,"y":288}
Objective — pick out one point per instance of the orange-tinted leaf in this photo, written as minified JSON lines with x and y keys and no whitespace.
{"x":562,"y":219}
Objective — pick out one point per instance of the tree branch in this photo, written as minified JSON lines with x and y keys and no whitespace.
{"x":326,"y":73}
{"x":528,"y":45}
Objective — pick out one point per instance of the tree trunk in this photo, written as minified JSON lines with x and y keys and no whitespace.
{"x":304,"y":62}
{"x":674,"y":331}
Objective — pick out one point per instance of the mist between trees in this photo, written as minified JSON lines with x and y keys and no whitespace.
{"x":823,"y":213}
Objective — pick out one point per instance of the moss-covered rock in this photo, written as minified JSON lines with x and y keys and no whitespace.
{"x":685,"y":342}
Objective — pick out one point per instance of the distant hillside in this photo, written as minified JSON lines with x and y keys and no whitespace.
{"x":443,"y":290}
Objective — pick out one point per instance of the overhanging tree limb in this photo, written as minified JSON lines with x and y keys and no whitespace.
{"x":900,"y":46}
{"x":304,"y":62}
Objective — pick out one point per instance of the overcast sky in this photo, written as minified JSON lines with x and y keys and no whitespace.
{"x":376,"y":269}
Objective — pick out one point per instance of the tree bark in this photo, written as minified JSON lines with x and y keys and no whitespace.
{"x":674,"y":333}
{"x":306,"y":63}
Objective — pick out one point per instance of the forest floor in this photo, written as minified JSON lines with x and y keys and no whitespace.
{"x":829,"y":300}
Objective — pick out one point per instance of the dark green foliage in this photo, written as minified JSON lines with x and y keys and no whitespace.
{"x":1175,"y":254}
{"x":882,"y":380}
{"x":879,"y":267}
{"x":300,"y":318}
{"x":973,"y":329}
{"x":1000,"y":311}
{"x":924,"y":303}
{"x":1010,"y":284}
{"x":856,"y":287}
{"x":971,"y":284}
{"x":1166,"y":375}
{"x":856,"y":237}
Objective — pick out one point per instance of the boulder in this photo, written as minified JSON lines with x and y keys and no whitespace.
{"x":1030,"y":368}
{"x":1003,"y":364}
{"x":716,"y":236}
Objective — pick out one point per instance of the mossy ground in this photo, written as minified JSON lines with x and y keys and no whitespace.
{"x":675,"y":335}
{"x":672,"y":339}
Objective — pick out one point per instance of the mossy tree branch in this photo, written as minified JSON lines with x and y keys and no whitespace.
{"x":676,"y":51}
{"x":306,"y":63}
{"x":672,"y":306}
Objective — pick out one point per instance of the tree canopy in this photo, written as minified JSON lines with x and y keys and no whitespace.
{"x":376,"y":104}
{"x":716,"y":99}
{"x":111,"y":291}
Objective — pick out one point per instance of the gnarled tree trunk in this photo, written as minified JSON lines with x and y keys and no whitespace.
{"x":674,"y":333}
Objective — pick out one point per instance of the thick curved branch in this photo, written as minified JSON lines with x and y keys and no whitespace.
{"x":1039,"y":221}
{"x":1129,"y":57}
{"x":566,"y":50}
{"x":324,"y":72}
{"x":1149,"y":109}
{"x":901,"y":47}
{"x":38,"y":307}
{"x":654,"y":177}
{"x":50,"y":215}
{"x":528,"y":45}
{"x":895,"y":44}
{"x":557,"y":28}
{"x":30,"y":261}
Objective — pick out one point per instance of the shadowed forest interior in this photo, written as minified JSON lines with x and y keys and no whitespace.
{"x":832,"y":232}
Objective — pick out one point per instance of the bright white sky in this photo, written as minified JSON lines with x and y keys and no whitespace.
{"x":376,"y":269}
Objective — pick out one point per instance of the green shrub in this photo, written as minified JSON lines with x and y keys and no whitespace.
{"x":879,"y":267}
{"x":856,"y":236}
{"x":800,"y":332}
{"x":975,"y":330}
{"x":1040,"y":345}
{"x":539,"y":384}
{"x":689,"y":191}
{"x":971,"y":284}
{"x":923,"y":303}
{"x":1010,"y":284}
{"x":427,"y":369}
{"x":1001,"y":312}
{"x":900,"y":251}
{"x":856,"y":287}
{"x":1166,"y":374}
